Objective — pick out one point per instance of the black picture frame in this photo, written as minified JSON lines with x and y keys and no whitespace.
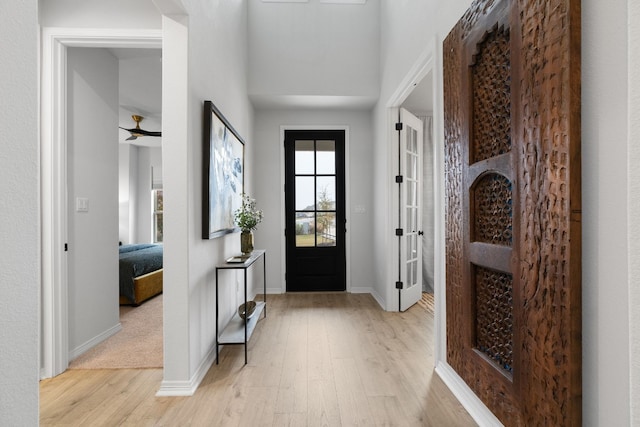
{"x":223,"y":173}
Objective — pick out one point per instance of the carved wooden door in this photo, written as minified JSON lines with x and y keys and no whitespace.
{"x":512,"y":164}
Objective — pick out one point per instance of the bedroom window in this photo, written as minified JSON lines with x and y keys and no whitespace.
{"x":158,"y":204}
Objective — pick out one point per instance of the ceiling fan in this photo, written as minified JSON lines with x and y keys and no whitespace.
{"x":136,"y":132}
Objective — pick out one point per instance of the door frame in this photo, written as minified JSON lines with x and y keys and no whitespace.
{"x":426,"y":62}
{"x":347,"y":201}
{"x":54,"y":339}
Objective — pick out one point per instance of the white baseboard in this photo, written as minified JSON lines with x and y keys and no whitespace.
{"x":360,"y":290}
{"x":83,"y":348}
{"x":188,"y":388}
{"x":381,"y":302}
{"x":474,"y":406}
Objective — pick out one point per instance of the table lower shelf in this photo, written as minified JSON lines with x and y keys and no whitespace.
{"x":233,"y":333}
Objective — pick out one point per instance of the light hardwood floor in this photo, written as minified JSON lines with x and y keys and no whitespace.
{"x":322,"y":359}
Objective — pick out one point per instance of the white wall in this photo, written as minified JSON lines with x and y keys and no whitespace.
{"x":313,"y":48}
{"x":605,"y":116}
{"x":135,"y":169}
{"x":92,"y":173}
{"x":634,"y":207}
{"x":140,"y":90}
{"x":148,"y":158}
{"x":19,"y":217}
{"x":217,"y":64}
{"x":99,"y":14}
{"x":605,"y":325}
{"x":269,"y":194}
{"x":127,"y":192}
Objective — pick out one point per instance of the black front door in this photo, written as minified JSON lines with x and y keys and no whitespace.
{"x":315,"y":210}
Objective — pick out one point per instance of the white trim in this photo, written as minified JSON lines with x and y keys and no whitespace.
{"x":439,"y":273}
{"x":361,"y":290}
{"x":391,"y":295}
{"x":170,"y":7}
{"x":55,"y":41}
{"x":474,"y":406}
{"x":347,"y":197}
{"x":422,"y":66}
{"x":378,"y":298}
{"x":188,"y":388}
{"x":83,"y":348}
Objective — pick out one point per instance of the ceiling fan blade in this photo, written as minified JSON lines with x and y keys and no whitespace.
{"x":148,"y":132}
{"x":131,"y":138}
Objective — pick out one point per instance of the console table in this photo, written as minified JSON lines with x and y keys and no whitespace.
{"x":238,"y":330}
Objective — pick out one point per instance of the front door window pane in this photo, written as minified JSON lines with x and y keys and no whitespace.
{"x":326,"y":157}
{"x":326,"y":229}
{"x":305,"y":229}
{"x":326,"y":193}
{"x":305,"y":157}
{"x":305,"y":191}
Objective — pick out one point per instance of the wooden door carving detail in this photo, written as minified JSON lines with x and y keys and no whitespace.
{"x":513,"y":207}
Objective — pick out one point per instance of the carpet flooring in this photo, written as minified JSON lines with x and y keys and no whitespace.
{"x":137,"y":345}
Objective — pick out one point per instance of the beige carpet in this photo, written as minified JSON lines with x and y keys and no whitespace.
{"x":137,"y":345}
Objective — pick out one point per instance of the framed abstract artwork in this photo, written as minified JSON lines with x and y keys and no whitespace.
{"x":223,"y":173}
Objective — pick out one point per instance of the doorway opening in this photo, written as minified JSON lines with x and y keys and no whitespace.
{"x":114,"y":257}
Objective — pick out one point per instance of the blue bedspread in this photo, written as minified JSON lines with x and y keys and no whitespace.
{"x":137,"y":260}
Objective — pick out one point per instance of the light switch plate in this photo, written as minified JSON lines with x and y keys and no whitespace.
{"x":82,"y":204}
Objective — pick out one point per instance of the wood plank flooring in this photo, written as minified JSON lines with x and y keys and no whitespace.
{"x":321,"y":359}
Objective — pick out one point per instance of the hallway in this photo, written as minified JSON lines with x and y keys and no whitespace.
{"x":333,"y":359}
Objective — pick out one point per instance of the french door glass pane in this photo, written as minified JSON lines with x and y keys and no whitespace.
{"x":413,"y":141}
{"x":326,"y":193}
{"x":412,"y":193}
{"x":412,"y":219}
{"x":411,"y":166}
{"x":305,"y":200}
{"x":326,"y":229}
{"x":326,"y":157}
{"x":412,"y":273}
{"x":413,"y":269}
{"x":304,"y":158}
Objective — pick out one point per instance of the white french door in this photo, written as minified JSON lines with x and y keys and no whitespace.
{"x":411,"y":143}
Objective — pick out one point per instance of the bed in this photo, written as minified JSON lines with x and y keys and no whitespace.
{"x":140,"y":273}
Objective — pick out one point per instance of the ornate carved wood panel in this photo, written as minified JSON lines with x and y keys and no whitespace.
{"x":513,"y":210}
